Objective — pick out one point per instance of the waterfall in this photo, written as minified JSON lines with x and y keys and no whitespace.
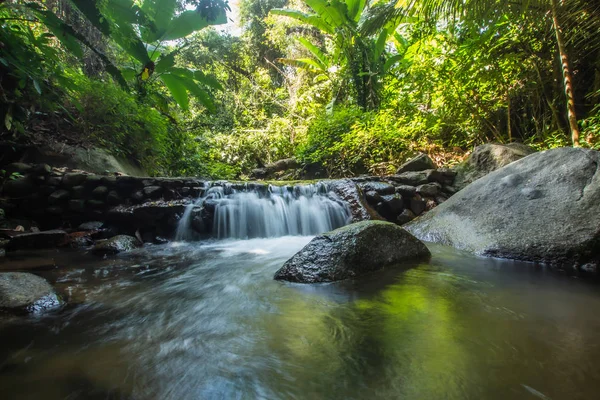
{"x":256,"y":211}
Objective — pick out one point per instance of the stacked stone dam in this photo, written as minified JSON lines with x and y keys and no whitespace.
{"x":59,"y":198}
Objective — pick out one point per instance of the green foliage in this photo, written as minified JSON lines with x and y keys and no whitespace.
{"x":355,"y":58}
{"x":137,"y":28}
{"x":13,"y":176}
{"x":591,"y":128}
{"x":349,"y":141}
{"x":29,"y":71}
{"x":358,"y":88}
{"x":113,"y":119}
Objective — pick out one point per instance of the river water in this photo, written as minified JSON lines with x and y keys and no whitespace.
{"x":206,"y":320}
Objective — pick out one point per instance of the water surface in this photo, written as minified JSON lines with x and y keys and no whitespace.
{"x":206,"y":321}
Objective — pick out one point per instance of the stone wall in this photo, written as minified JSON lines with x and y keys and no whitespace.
{"x":57,"y":197}
{"x":61,"y":198}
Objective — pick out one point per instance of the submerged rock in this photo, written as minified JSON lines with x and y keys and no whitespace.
{"x":116,"y":244}
{"x":544,"y":207}
{"x":25,"y":292}
{"x":350,"y":251}
{"x":488,"y":158}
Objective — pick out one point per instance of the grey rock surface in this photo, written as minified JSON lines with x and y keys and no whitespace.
{"x":22,"y":291}
{"x":544,"y":207}
{"x":350,"y":251}
{"x":487,"y":158}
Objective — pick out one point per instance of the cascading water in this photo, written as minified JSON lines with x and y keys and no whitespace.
{"x":255,"y":211}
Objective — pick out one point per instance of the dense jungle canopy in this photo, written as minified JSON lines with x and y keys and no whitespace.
{"x":207,"y":88}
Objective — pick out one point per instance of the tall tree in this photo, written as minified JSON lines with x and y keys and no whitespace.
{"x":556,"y":12}
{"x":361,"y":57}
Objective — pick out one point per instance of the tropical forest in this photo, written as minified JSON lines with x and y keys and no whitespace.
{"x":299,"y":199}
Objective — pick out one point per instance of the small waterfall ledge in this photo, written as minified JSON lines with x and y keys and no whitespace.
{"x":225,"y":210}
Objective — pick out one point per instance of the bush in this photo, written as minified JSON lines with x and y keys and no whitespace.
{"x":350,"y":141}
{"x":237,"y":153}
{"x":115,"y":120}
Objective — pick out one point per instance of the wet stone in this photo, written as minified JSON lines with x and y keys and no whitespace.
{"x":113,"y":198}
{"x":406,"y":191}
{"x":429,"y":189}
{"x":78,"y":191}
{"x":90,"y":226}
{"x":37,"y":240}
{"x":77,"y":205}
{"x":380,"y":187}
{"x":96,"y":204}
{"x":100,"y":192}
{"x":73,"y":179}
{"x":58,"y":196}
{"x":25,"y":292}
{"x":116,"y":244}
{"x":152,"y":192}
{"x":405,"y":216}
{"x":54,"y":210}
{"x":417,"y":205}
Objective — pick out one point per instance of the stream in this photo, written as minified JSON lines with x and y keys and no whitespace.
{"x":205,"y":320}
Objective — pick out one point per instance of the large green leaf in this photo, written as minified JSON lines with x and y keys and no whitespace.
{"x":200,"y":94}
{"x":61,"y":30}
{"x":207,"y":80}
{"x":160,"y":13}
{"x":93,"y":14}
{"x":177,"y":88}
{"x":315,"y":51}
{"x":123,"y":11}
{"x":355,"y":8}
{"x":129,"y":73}
{"x":380,"y":45}
{"x":334,"y":12}
{"x":165,"y":62}
{"x":312,"y":20}
{"x":191,"y":21}
{"x":125,"y":36}
{"x":121,"y":31}
{"x":182,"y":72}
{"x":391,"y":61}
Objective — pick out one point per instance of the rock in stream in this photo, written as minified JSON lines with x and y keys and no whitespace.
{"x":350,"y":251}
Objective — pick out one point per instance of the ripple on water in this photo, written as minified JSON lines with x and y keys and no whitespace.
{"x":206,"y":320}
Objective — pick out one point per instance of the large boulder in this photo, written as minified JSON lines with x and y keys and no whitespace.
{"x":487,"y":158}
{"x":25,"y":292}
{"x":350,"y":251}
{"x":544,"y":207}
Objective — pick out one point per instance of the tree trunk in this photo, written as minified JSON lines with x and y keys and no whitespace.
{"x":508,"y":121}
{"x":568,"y":80}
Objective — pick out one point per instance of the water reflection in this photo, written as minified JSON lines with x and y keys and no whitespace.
{"x":206,"y":321}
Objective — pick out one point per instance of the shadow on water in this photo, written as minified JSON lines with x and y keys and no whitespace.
{"x":206,"y":321}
